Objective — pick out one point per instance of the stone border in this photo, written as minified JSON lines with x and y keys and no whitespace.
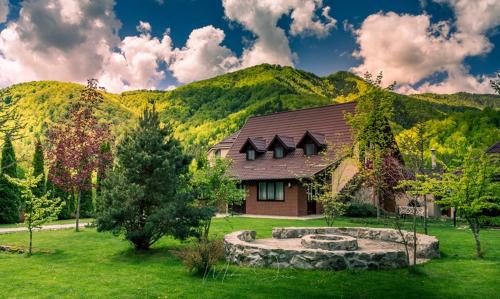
{"x":329,"y":242}
{"x":240,"y":249}
{"x":427,"y":246}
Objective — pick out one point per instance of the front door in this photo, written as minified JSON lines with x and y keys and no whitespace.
{"x":311,"y":207}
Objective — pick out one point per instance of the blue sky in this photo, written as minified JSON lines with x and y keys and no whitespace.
{"x":426,"y":45}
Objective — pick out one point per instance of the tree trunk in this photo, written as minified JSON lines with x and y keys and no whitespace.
{"x":30,"y":249}
{"x":454,"y":217}
{"x":414,"y":237}
{"x":474,"y":225}
{"x":77,"y":228}
{"x":425,"y":214}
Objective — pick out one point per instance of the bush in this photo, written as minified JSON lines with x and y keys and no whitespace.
{"x":201,"y":256}
{"x":360,"y":209}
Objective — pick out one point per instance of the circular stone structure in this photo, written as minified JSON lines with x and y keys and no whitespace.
{"x":329,"y":242}
{"x":327,"y":248}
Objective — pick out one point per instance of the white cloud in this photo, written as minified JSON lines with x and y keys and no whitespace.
{"x":73,"y":40}
{"x":136,"y":65}
{"x":58,"y":40}
{"x":261,"y":18}
{"x":4,"y":10}
{"x":408,"y":48}
{"x":203,"y":56}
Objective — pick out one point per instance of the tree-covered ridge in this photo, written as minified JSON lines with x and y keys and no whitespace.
{"x":464,"y":99}
{"x":204,"y":112}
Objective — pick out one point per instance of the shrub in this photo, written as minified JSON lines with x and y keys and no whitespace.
{"x":361,"y":209}
{"x":201,"y":256}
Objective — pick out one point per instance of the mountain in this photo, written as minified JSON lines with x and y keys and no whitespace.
{"x":205,"y":112}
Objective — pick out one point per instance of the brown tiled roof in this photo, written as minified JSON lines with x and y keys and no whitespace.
{"x":226,"y":143}
{"x":494,"y":149}
{"x":327,"y":122}
{"x":258,"y":144}
{"x":286,"y":141}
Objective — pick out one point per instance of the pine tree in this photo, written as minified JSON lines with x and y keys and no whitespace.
{"x":144,"y":195}
{"x":38,"y":168}
{"x":10,"y":198}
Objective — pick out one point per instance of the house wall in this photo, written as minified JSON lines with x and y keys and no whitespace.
{"x":295,"y":203}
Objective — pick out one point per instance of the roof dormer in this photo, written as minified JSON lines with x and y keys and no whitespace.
{"x":253,"y":147}
{"x":312,"y":143}
{"x":281,"y":145}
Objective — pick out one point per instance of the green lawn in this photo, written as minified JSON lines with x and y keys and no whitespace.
{"x":98,"y":265}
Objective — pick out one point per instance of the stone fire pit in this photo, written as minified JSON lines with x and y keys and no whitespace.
{"x":329,"y":242}
{"x":327,"y":248}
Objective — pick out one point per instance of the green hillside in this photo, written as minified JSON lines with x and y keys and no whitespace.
{"x":204,"y":112}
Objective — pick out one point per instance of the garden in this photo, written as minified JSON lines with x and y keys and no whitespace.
{"x":66,"y":264}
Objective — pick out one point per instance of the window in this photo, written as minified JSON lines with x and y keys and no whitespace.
{"x":217,"y":153}
{"x":271,"y":191}
{"x":310,"y":149}
{"x":278,"y":152}
{"x":250,"y":154}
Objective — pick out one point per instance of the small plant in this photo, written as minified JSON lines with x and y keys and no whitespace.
{"x":361,"y":209}
{"x":201,"y":256}
{"x":37,"y":209}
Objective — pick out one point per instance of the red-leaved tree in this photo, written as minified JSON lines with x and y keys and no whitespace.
{"x":75,"y":145}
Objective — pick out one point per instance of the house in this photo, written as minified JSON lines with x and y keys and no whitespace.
{"x":221,"y":149}
{"x":272,"y":155}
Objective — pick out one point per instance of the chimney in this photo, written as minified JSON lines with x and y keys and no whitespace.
{"x":433,"y":158}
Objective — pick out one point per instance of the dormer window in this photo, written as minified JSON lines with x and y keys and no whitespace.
{"x":312,"y":143}
{"x":250,"y":154}
{"x":310,"y":149}
{"x":279,"y":152}
{"x":281,"y":145}
{"x":253,"y":147}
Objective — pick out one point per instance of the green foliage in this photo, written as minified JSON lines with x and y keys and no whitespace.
{"x":145,"y":195}
{"x":10,"y":197}
{"x":203,"y":113}
{"x":69,"y":206}
{"x":360,"y":209}
{"x":86,"y":202}
{"x":472,"y":190}
{"x":38,"y":168}
{"x":37,"y":210}
{"x":200,"y":257}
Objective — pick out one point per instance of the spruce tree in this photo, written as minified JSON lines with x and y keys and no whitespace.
{"x":10,"y":198}
{"x":38,"y":169}
{"x":144,"y":195}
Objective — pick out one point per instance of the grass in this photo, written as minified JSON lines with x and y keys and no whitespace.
{"x":98,"y":265}
{"x":84,"y":220}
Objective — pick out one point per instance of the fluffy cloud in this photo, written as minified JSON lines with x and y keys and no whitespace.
{"x":203,"y":56}
{"x":410,"y":48}
{"x":58,"y":40}
{"x":136,"y":65}
{"x":72,"y":40}
{"x":261,"y":18}
{"x":4,"y":10}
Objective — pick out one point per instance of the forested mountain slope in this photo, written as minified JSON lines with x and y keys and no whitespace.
{"x":204,"y":112}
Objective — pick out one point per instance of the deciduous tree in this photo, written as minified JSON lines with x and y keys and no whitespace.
{"x":75,"y":145}
{"x":472,"y":190}
{"x":37,"y":209}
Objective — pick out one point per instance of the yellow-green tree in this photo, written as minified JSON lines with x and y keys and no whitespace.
{"x":37,"y":209}
{"x":472,"y":190}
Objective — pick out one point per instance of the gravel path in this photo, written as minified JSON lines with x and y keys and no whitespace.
{"x":12,"y":230}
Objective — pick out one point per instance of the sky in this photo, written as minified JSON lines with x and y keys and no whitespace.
{"x":441,"y":46}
